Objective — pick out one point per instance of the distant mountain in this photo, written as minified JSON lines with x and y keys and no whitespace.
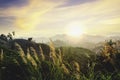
{"x":85,"y":40}
{"x":113,"y":38}
{"x":82,"y":38}
{"x":41,"y":39}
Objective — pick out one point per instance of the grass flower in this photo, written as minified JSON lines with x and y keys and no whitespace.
{"x":65,"y":70}
{"x":1,"y":54}
{"x":42,"y":57}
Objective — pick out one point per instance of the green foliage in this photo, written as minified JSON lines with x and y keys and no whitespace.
{"x":16,"y":66}
{"x":62,"y":64}
{"x":80,"y":55}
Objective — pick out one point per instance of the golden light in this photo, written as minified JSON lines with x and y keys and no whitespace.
{"x":74,"y":30}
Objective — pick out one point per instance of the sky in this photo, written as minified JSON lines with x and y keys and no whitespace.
{"x":45,"y":18}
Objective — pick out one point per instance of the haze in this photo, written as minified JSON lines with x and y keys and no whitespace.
{"x":51,"y":17}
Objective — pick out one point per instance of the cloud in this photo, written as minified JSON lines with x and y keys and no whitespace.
{"x":10,"y":3}
{"x":75,"y":2}
{"x":27,"y":17}
{"x":47,"y":17}
{"x":95,"y":12}
{"x":6,"y":21}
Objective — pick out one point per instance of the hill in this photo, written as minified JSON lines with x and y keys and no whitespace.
{"x":78,"y":54}
{"x":22,"y":59}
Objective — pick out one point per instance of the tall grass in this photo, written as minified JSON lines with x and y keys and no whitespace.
{"x":16,"y":65}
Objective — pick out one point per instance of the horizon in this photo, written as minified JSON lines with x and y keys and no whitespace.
{"x":67,"y":38}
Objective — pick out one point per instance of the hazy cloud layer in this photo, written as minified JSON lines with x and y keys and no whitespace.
{"x":50,"y":17}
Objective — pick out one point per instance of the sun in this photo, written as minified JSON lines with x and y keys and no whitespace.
{"x":75,"y":31}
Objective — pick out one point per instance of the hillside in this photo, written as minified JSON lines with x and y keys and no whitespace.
{"x":22,"y":59}
{"x":81,"y":55}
